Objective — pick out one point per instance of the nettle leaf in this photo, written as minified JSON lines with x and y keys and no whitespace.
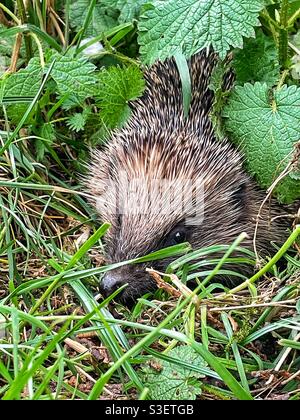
{"x":77,"y":121}
{"x":118,"y":86}
{"x":266,"y":124}
{"x":170,"y":381}
{"x":187,"y":26}
{"x":128,"y":9}
{"x":25,"y":83}
{"x":258,"y":61}
{"x":74,"y":75}
{"x":103,"y":18}
{"x":20,"y":88}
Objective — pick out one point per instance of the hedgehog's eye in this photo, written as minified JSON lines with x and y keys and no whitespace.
{"x":176,"y":236}
{"x":179,"y":237}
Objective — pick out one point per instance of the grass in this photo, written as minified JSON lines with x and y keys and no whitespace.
{"x":58,"y":340}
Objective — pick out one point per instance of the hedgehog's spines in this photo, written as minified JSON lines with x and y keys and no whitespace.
{"x":162,"y":98}
{"x":159,"y":143}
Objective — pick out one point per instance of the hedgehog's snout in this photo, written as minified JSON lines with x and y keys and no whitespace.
{"x":137,"y":279}
{"x":111,"y":282}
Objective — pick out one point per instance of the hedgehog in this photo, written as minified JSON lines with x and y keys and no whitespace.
{"x":165,"y":178}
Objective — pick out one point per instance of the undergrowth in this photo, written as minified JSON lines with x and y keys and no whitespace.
{"x":68,"y":70}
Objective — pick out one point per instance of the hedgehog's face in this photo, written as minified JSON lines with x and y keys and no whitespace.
{"x":147,"y":218}
{"x":155,"y":198}
{"x":138,"y":280}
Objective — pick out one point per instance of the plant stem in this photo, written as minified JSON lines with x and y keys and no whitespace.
{"x":28,"y":44}
{"x":269,"y":19}
{"x":67,"y":24}
{"x":39,"y":15}
{"x":284,"y":75}
{"x":40,"y":48}
{"x":283,"y":34}
{"x":14,"y":17}
{"x":15,"y":54}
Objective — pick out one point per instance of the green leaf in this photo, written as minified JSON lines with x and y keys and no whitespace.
{"x":21,"y":87}
{"x":257,"y":61}
{"x":186,"y":83}
{"x":77,"y":121}
{"x":170,"y":26}
{"x":118,"y":86}
{"x":128,"y":9}
{"x":25,"y":82}
{"x":74,"y":75}
{"x":46,"y":132}
{"x":289,"y":343}
{"x":169,"y":381}
{"x":103,"y":18}
{"x":28,"y":111}
{"x":266,"y":124}
{"x":69,"y":101}
{"x":293,"y":7}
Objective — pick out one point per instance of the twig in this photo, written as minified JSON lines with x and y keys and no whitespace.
{"x":15,"y":54}
{"x":162,"y":284}
{"x":90,"y":378}
{"x":57,"y":27}
{"x":82,"y":372}
{"x":291,"y":378}
{"x":183,"y":289}
{"x":78,"y":347}
{"x":282,"y":360}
